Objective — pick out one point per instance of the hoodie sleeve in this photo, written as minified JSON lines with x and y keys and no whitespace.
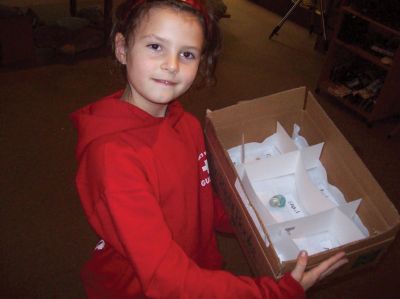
{"x":129,"y":218}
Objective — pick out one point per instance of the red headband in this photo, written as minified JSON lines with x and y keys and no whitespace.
{"x":196,"y":4}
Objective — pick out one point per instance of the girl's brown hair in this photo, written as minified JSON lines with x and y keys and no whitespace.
{"x":130,"y":13}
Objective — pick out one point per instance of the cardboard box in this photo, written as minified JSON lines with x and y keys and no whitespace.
{"x":257,"y":119}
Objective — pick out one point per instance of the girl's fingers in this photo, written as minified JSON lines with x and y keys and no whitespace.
{"x":301,"y":265}
{"x":322,"y":270}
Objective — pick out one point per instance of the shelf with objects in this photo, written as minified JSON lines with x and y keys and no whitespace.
{"x":362,"y":67}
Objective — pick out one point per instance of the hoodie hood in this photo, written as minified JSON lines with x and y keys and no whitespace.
{"x":111,"y":115}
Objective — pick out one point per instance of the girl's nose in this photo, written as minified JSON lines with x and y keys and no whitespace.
{"x":170,"y":64}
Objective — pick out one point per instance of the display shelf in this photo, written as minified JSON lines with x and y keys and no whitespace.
{"x":362,"y":53}
{"x":370,"y":103}
{"x":349,"y":101}
{"x":354,"y":12}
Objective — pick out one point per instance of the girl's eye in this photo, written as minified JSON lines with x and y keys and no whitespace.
{"x":154,"y":47}
{"x":188,"y":55}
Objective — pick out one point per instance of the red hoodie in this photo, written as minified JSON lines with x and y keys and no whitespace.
{"x":145,"y":188}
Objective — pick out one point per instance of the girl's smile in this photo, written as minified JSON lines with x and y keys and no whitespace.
{"x":165,"y":82}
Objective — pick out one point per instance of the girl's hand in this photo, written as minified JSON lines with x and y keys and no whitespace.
{"x":309,"y":278}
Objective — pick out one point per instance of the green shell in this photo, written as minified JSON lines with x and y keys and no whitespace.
{"x":277,"y":201}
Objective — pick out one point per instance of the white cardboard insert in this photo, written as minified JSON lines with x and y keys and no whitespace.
{"x":316,"y":217}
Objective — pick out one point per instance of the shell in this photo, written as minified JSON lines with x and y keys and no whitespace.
{"x":277,"y":201}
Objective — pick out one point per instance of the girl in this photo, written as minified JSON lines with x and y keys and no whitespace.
{"x":141,"y":163}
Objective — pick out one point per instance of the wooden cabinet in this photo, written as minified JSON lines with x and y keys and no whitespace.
{"x":16,"y":39}
{"x":331,"y":13}
{"x":362,"y":67}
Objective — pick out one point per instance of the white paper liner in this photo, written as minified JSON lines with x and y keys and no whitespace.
{"x":306,"y":189}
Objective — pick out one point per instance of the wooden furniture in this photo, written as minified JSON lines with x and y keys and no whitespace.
{"x":16,"y":39}
{"x":350,"y":51}
{"x":331,"y":14}
{"x":107,"y":10}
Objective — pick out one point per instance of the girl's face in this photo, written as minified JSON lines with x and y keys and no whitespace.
{"x":162,"y":59}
